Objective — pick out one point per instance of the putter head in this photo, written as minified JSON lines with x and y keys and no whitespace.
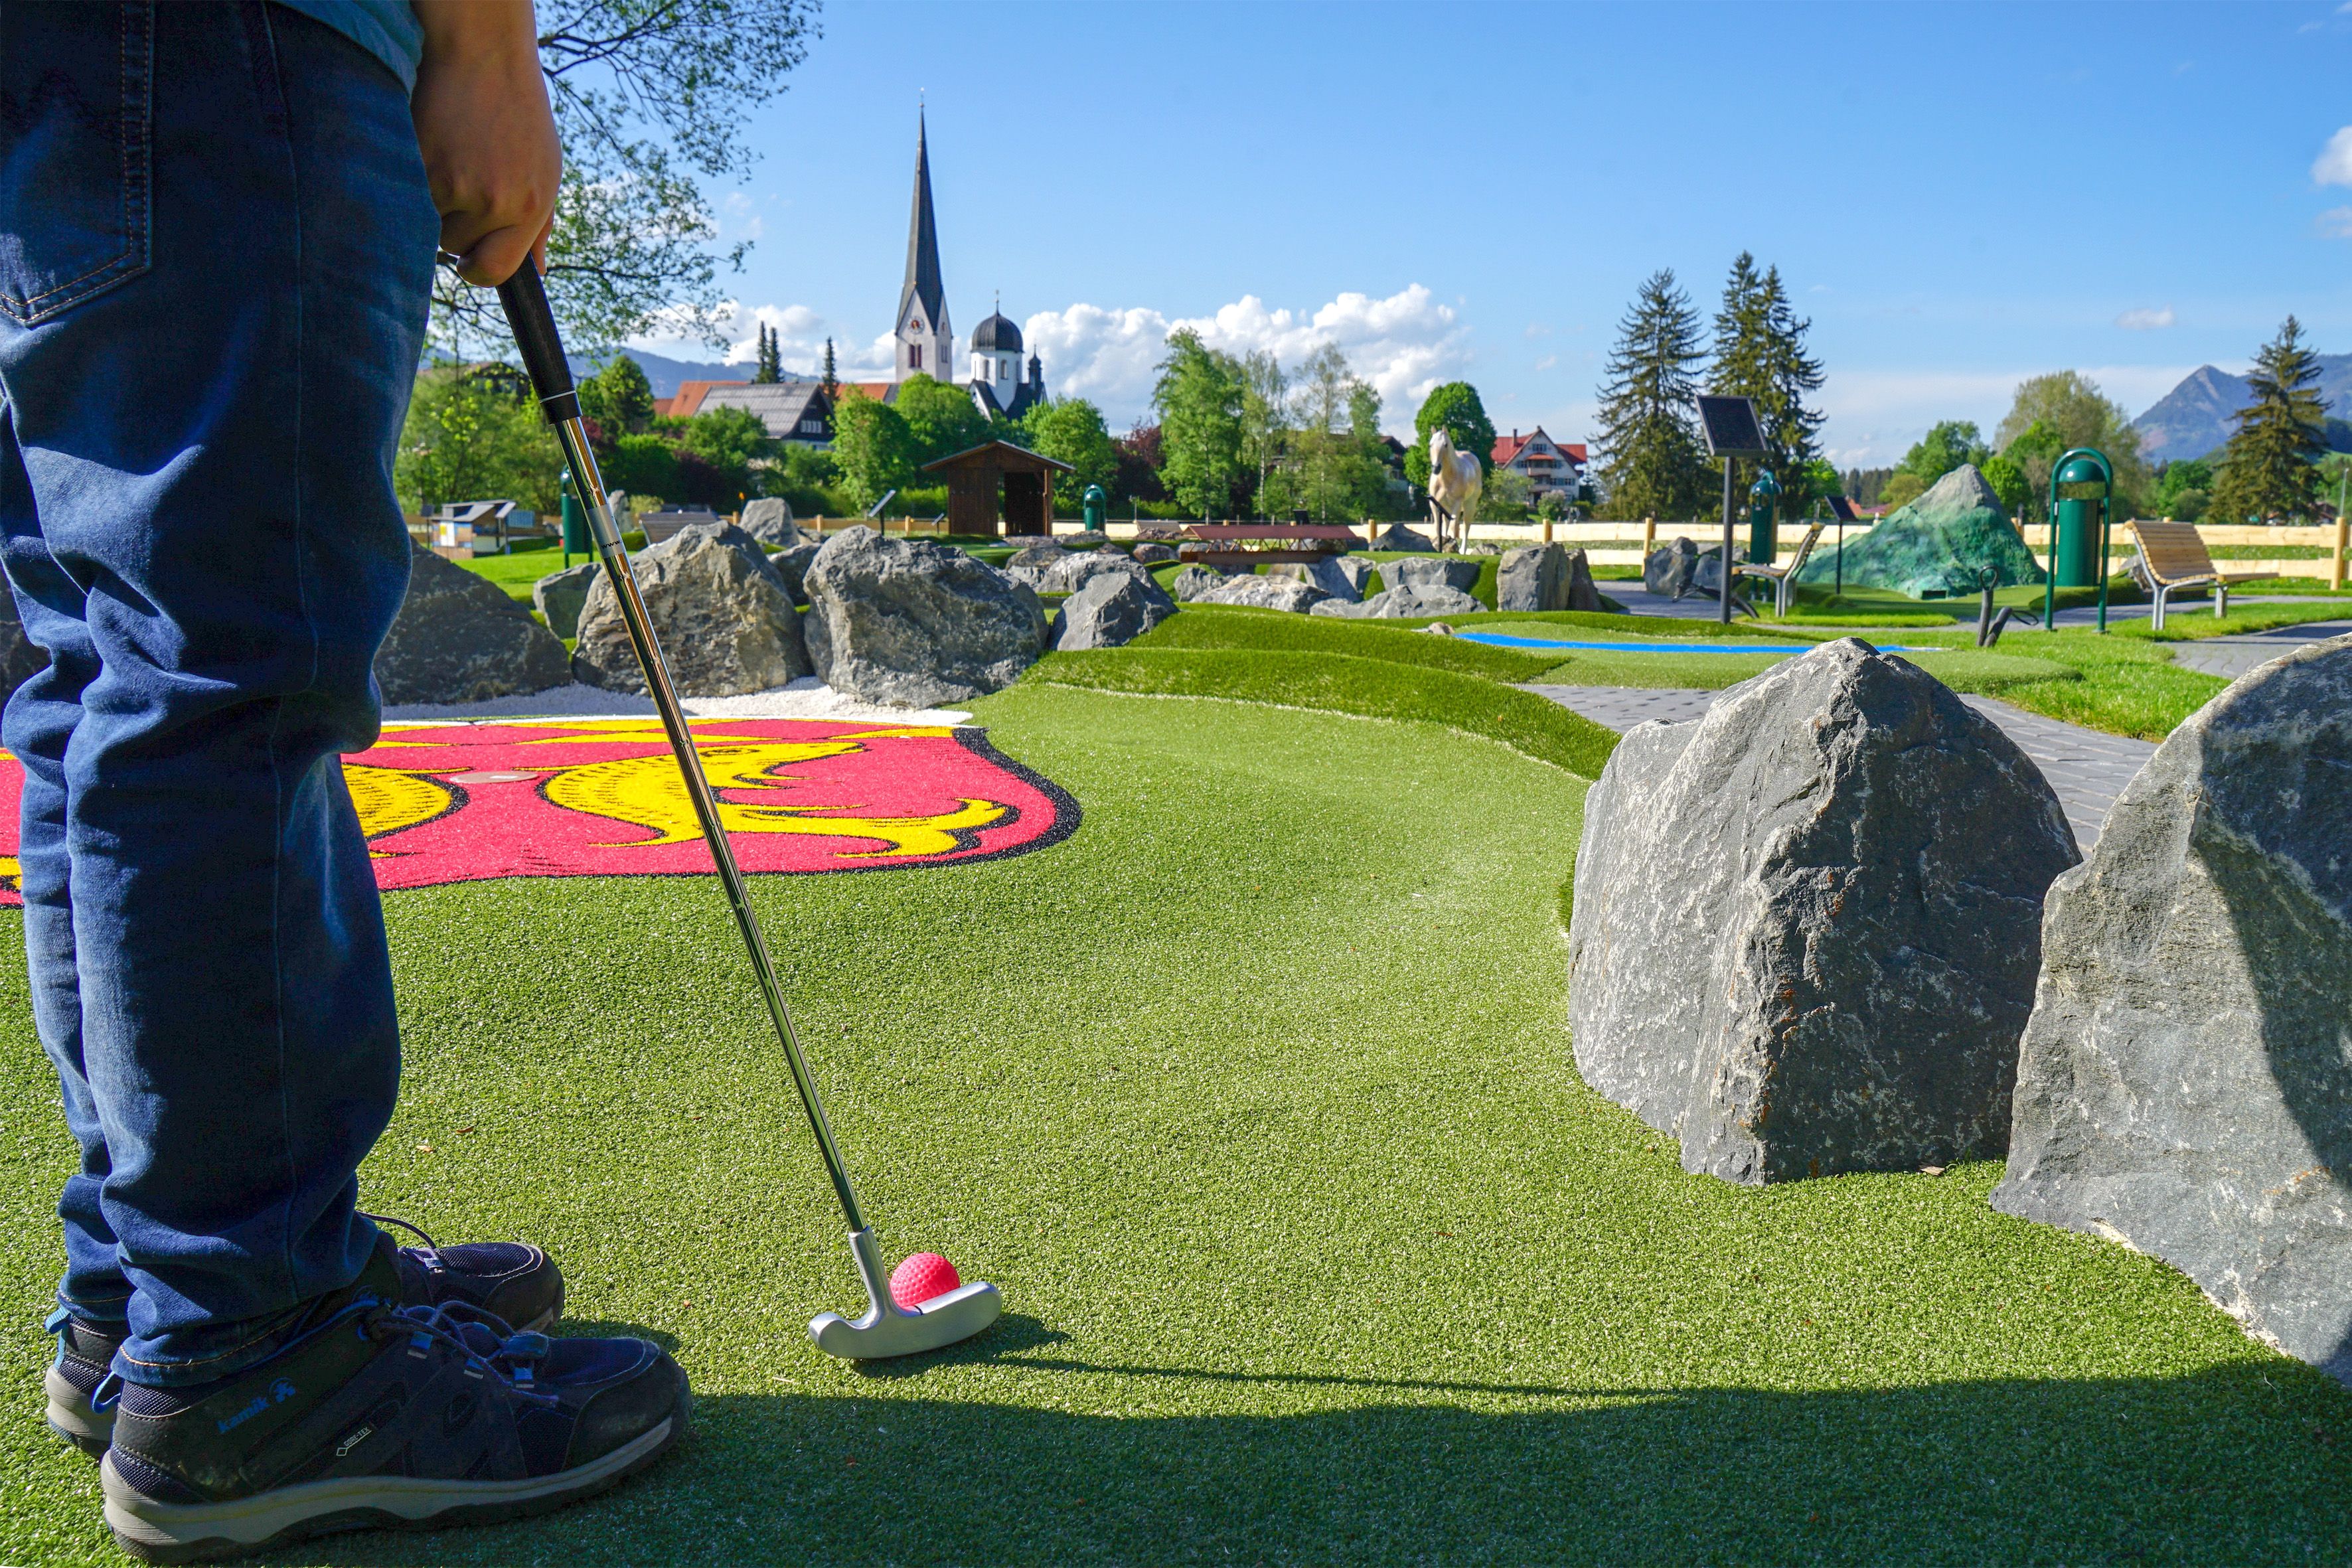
{"x":887,"y":1328}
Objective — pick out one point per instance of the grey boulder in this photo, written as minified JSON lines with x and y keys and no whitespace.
{"x":1584,"y":592}
{"x":1437,"y":572}
{"x":1074,"y":572}
{"x":1111,"y":611}
{"x":913,"y":624}
{"x":1670,"y":567}
{"x":2185,"y":1085}
{"x":1154,"y":554}
{"x":1805,"y":927}
{"x":561,"y":596}
{"x":720,"y":610}
{"x":460,"y":639}
{"x":1261,"y":592}
{"x":793,"y":566}
{"x":1192,"y":582}
{"x":1043,"y":553}
{"x":1324,"y":572}
{"x":1397,"y":536}
{"x":770,"y":520}
{"x":1532,"y":578}
{"x":1406,"y":604}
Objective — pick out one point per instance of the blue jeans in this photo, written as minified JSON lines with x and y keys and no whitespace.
{"x":216,"y":250}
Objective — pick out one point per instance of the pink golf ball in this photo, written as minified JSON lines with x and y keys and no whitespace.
{"x":920,"y":1277}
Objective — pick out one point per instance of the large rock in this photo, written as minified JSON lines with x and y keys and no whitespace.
{"x":2185,"y":1085}
{"x":1159,"y":532}
{"x":914,"y":623}
{"x":1534,"y":577}
{"x":1263,"y":593}
{"x":1397,"y":536}
{"x":1192,"y":582}
{"x":1324,"y":572}
{"x":1111,"y":611}
{"x":460,"y":639}
{"x":722,"y":613}
{"x":1155,"y":554}
{"x":1406,"y":603}
{"x":793,"y":566}
{"x":769,"y":519}
{"x":1806,"y":926}
{"x":1074,"y":572}
{"x":1943,"y":543}
{"x":1584,"y":592}
{"x":1671,"y":567}
{"x":1437,"y":572}
{"x":1042,"y":555}
{"x":561,"y":596}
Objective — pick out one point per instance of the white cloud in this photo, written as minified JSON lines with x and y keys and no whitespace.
{"x":2145,"y":320}
{"x":2335,"y":223}
{"x":1403,"y":345}
{"x":2334,"y":164}
{"x":1547,"y":361}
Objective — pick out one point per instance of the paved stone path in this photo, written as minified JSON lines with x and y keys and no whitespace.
{"x":2087,"y":769}
{"x":2232,"y":656}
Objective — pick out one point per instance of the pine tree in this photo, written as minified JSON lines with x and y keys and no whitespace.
{"x":771,"y":367}
{"x":1651,"y":462}
{"x":2270,"y":466}
{"x":1759,"y":355}
{"x":832,"y":381}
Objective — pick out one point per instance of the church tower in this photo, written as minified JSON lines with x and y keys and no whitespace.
{"x":926,"y":342}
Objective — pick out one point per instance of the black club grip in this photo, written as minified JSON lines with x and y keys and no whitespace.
{"x":524,"y":295}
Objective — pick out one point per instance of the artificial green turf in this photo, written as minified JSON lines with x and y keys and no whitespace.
{"x":1254,"y":1096}
{"x":1235,"y":626}
{"x":1367,"y":687}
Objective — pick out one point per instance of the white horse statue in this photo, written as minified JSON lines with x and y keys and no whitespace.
{"x":1455,"y":481}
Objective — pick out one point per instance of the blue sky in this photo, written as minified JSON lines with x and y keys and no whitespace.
{"x":1959,"y":195}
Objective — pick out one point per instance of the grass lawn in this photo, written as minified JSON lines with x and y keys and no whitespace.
{"x":1256,"y":1096}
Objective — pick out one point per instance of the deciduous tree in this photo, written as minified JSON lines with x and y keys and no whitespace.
{"x":2072,"y":411}
{"x":1456,"y":406}
{"x":1199,"y":399}
{"x":652,"y":98}
{"x":618,"y":397}
{"x":873,"y":448}
{"x":941,"y":417}
{"x":474,"y":433}
{"x":1071,"y":430}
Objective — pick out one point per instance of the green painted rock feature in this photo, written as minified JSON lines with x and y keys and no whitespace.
{"x":1940,"y":543}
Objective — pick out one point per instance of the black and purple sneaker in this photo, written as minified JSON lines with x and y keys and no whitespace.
{"x":511,"y":1280}
{"x":383,"y":1414}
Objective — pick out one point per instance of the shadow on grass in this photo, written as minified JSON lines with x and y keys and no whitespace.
{"x":2243,"y":1463}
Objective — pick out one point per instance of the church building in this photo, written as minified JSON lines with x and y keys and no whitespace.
{"x":926,"y":342}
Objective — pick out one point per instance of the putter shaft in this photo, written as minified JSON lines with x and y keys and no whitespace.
{"x":524,"y":296}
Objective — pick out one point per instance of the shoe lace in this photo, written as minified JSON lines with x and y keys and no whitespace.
{"x":483,"y":1338}
{"x":428,"y":1253}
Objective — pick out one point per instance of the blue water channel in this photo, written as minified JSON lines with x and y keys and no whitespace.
{"x":1504,"y":639}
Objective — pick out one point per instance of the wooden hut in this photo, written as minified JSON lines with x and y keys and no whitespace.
{"x":998,"y":480}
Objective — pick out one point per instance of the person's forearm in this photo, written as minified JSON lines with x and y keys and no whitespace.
{"x":487,"y":133}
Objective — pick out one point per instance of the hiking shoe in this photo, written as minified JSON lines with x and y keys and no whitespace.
{"x":508,"y":1280}
{"x":383,"y":1414}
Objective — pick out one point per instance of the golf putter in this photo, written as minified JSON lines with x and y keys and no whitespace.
{"x":886,"y":1328}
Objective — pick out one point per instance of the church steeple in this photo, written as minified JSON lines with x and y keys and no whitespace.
{"x":926,"y":342}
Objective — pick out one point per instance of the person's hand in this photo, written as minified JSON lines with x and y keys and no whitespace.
{"x":487,"y":135}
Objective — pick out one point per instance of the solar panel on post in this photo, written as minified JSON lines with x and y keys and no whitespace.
{"x":1732,"y":430}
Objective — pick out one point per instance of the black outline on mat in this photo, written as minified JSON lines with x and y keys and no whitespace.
{"x":972,"y":738}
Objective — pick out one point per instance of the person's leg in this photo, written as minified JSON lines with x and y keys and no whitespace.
{"x":207,"y":331}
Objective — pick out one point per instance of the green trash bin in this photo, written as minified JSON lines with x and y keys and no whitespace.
{"x":2082,"y":504}
{"x":1763,"y":520}
{"x":1097,"y":507}
{"x":575,"y":525}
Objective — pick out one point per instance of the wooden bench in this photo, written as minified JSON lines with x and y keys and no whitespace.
{"x":1784,"y":578}
{"x":2174,"y":556}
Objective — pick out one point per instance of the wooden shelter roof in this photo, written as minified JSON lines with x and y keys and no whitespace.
{"x":1001,"y":455}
